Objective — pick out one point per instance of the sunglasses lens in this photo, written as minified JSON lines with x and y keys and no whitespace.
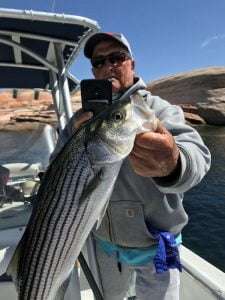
{"x":114,"y":58}
{"x":98,"y":62}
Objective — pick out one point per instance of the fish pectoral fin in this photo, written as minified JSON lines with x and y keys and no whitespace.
{"x":91,"y":186}
{"x":95,"y":190}
{"x":60,"y":295}
{"x":99,"y":220}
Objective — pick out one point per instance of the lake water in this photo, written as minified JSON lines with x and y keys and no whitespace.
{"x":205,"y":204}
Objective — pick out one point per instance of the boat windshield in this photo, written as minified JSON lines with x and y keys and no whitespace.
{"x":24,"y":157}
{"x":29,"y":147}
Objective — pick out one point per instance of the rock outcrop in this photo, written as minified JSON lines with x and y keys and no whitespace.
{"x":201,"y":94}
{"x":204,"y":89}
{"x":24,"y":112}
{"x":213,"y":113}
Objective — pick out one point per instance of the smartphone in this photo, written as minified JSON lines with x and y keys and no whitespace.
{"x":96,"y":94}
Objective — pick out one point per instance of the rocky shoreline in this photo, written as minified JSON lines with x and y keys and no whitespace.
{"x":200,"y":93}
{"x":27,"y":113}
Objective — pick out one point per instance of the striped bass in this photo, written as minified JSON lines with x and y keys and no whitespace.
{"x":72,"y":195}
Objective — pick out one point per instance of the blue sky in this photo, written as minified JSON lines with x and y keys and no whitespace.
{"x":167,"y":36}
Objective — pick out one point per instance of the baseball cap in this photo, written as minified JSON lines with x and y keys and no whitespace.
{"x":105,"y":36}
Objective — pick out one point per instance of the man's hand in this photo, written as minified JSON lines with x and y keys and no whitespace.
{"x":155,"y":154}
{"x":82,"y":118}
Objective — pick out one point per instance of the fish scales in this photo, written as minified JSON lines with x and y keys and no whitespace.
{"x":33,"y":255}
{"x":54,"y":187}
{"x":85,"y":213}
{"x":60,"y":257}
{"x":39,"y":212}
{"x":39,"y":217}
{"x":27,"y":254}
{"x":73,"y":193}
{"x":36,"y":259}
{"x":59,"y":237}
{"x":32,"y":235}
{"x":42,"y":240}
{"x":47,"y":239}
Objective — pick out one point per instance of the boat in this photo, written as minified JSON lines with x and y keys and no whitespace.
{"x":37,"y":49}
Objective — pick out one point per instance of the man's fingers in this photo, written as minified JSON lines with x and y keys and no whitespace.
{"x":142,"y":166}
{"x":150,"y":140}
{"x":83,"y":118}
{"x":141,"y":152}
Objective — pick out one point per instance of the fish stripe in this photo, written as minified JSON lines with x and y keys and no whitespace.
{"x":75,"y":227}
{"x":47,"y":237}
{"x":38,"y":225}
{"x":27,"y":252}
{"x":57,"y":233}
{"x":43,"y":237}
{"x":59,"y":250}
{"x":37,"y":215}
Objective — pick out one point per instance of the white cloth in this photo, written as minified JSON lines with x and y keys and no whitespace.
{"x":6,"y":255}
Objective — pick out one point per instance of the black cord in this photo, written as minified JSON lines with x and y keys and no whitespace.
{"x":90,"y":278}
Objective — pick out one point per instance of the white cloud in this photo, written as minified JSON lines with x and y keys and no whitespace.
{"x":214,"y":38}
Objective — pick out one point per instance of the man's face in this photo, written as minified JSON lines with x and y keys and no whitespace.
{"x":121,"y":75}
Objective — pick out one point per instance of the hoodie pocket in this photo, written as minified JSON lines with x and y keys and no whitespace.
{"x":128,"y":224}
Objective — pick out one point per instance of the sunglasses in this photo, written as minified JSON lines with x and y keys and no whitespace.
{"x":115,"y":58}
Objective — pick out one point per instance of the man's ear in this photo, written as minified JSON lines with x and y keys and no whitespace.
{"x":133,"y":64}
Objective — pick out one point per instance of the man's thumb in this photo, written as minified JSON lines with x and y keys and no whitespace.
{"x":160,"y":128}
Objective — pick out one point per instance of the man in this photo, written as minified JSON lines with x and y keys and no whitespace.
{"x":141,"y":230}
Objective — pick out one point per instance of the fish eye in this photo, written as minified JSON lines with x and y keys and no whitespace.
{"x":117,"y":116}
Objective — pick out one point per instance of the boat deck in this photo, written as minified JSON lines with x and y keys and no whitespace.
{"x":199,"y":281}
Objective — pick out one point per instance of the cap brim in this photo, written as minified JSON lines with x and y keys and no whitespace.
{"x":95,"y":39}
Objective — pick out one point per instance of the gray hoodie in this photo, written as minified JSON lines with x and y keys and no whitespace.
{"x":137,"y":201}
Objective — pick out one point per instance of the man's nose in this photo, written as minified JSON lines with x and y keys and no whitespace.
{"x":109,"y":65}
